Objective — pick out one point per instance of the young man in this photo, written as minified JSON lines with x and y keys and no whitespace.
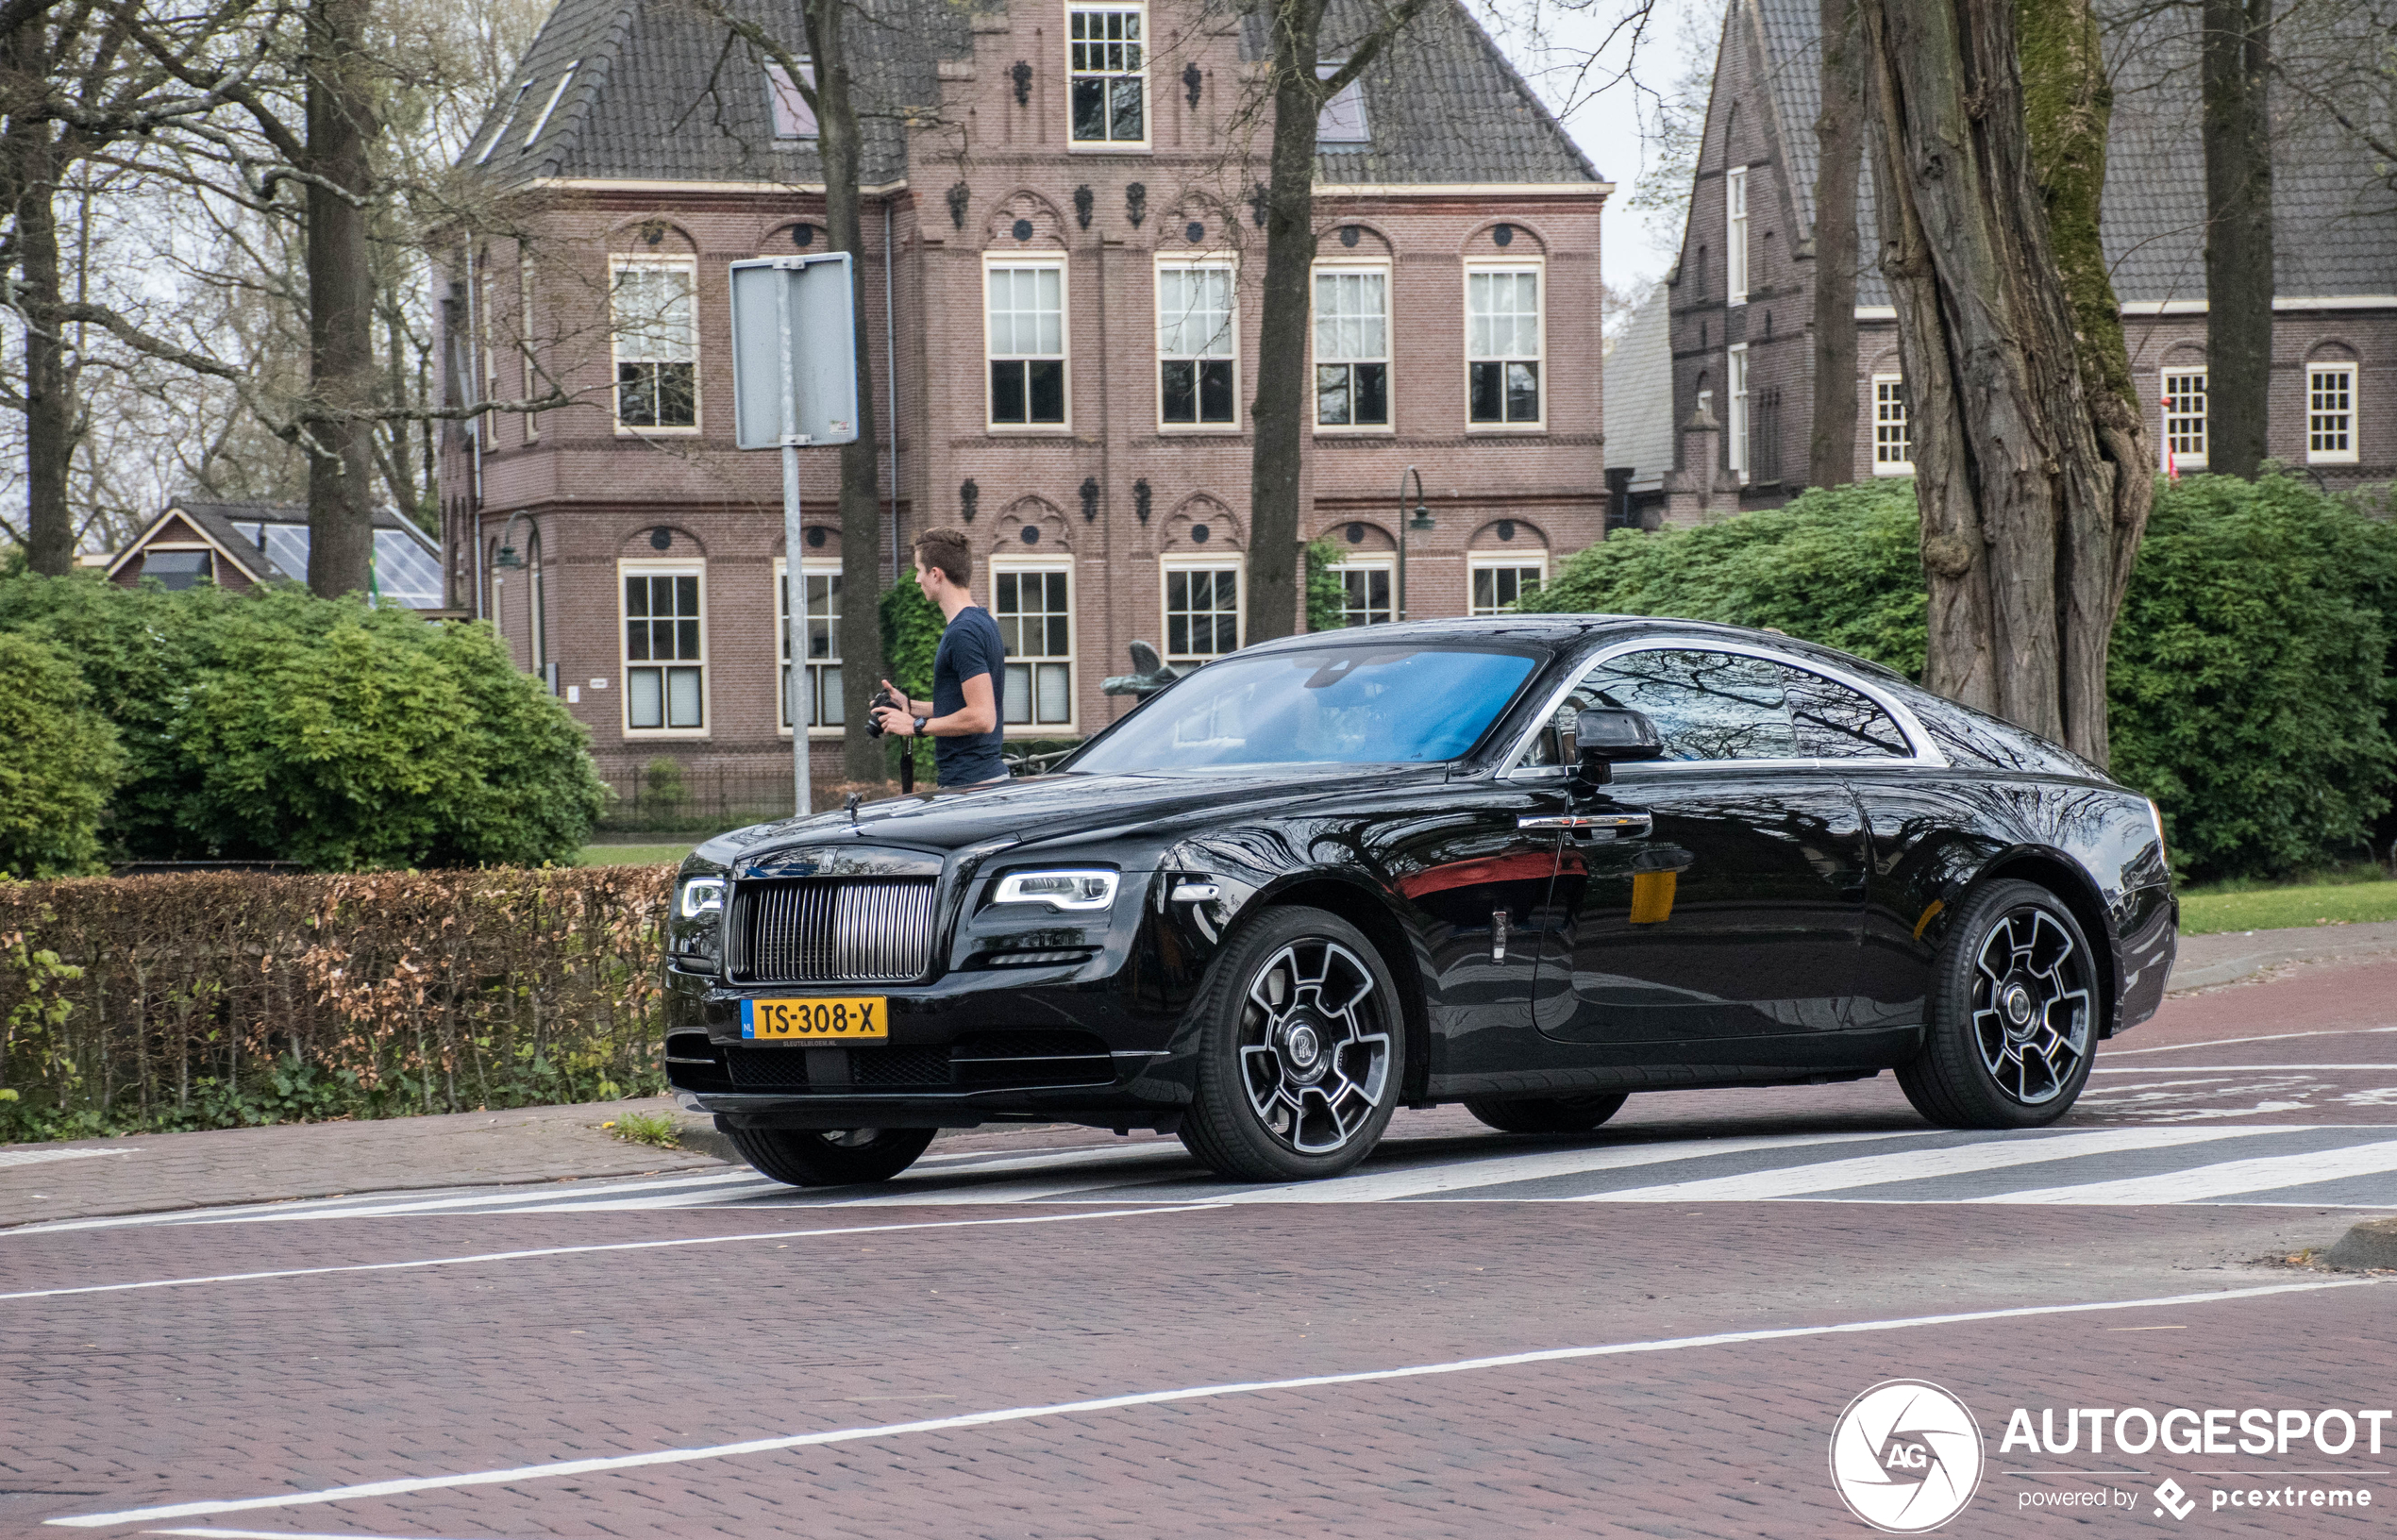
{"x":967,"y":671}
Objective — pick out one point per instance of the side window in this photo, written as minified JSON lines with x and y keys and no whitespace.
{"x":1836,"y":723}
{"x":1705,"y":705}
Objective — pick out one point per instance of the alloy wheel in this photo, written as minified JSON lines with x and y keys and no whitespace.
{"x":1314,"y":1046}
{"x":2030,"y":1010}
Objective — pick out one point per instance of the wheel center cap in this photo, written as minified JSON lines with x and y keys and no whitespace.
{"x":2015,"y":1002}
{"x":1303,"y":1044}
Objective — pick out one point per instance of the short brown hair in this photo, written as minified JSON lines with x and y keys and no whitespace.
{"x":947,"y":552}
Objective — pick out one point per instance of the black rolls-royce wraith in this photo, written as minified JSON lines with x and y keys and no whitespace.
{"x":1531,"y":864}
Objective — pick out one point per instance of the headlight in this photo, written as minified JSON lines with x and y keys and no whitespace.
{"x":2155,"y":816}
{"x":701,"y":896}
{"x":1076,"y":890}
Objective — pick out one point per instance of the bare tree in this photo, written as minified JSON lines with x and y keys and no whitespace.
{"x":2032,"y":471}
{"x":2233,"y":75}
{"x":1840,"y":135}
{"x":1298,"y":83}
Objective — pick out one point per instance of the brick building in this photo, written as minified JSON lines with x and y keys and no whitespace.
{"x":1061,"y":277}
{"x":1741,"y":299}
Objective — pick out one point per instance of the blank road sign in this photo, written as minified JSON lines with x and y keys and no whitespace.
{"x":823,"y":349}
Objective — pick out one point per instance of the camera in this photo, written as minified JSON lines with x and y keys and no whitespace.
{"x":874,"y":723}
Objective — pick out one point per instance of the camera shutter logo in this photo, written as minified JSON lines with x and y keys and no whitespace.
{"x":1905,"y":1456}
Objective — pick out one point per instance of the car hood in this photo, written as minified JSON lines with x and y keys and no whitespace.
{"x":1045,"y":808}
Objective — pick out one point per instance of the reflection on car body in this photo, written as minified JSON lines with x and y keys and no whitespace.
{"x":1528,"y":863}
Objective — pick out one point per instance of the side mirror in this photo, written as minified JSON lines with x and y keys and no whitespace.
{"x":1605,"y":736}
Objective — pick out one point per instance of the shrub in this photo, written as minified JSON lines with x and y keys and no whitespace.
{"x":2249,"y":672}
{"x":282,"y":726}
{"x":911,"y":627}
{"x":220,"y":1000}
{"x":1327,"y":600}
{"x":60,"y":759}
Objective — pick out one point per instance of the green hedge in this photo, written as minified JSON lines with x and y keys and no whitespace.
{"x":2250,"y":671}
{"x":59,"y":761}
{"x":278,"y":725}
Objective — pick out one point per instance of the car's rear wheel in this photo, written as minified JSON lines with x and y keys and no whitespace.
{"x":828,"y":1157}
{"x":1548,"y":1115}
{"x":2013,"y":1013}
{"x":1302,"y":1050}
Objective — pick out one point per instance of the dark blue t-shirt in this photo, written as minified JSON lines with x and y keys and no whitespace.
{"x":970,"y":645}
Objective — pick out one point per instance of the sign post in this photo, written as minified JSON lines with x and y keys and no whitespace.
{"x":794,"y":384}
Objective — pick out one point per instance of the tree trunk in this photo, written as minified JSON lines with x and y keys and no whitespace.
{"x":1839,"y":133}
{"x":341,"y":302}
{"x":2024,"y":552}
{"x":861,"y":756}
{"x":2236,"y":56}
{"x":34,"y":165}
{"x":1278,"y":413}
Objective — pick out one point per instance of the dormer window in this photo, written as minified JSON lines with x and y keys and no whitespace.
{"x":792,"y":117}
{"x":1107,"y":61}
{"x":532,"y":135}
{"x":1342,"y":119}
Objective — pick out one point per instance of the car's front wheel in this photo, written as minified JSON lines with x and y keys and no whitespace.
{"x":828,"y":1157}
{"x":1302,"y":1048}
{"x":1548,"y":1115}
{"x":2013,"y":1013}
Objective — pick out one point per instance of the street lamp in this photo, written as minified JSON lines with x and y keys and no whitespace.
{"x":1420,"y":521}
{"x":507,"y":558}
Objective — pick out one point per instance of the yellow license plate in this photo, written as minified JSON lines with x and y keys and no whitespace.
{"x":856,"y":1018}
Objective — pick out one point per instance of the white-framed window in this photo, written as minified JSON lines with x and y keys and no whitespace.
{"x":489,"y":323}
{"x":665,"y":646}
{"x":1024,"y":319}
{"x":528,"y":368}
{"x":1342,"y":119}
{"x":2184,"y":418}
{"x":1366,"y":590}
{"x":2330,"y":413}
{"x":652,"y":309}
{"x":1201,"y":607}
{"x":1501,"y":580}
{"x":1198,"y":363}
{"x":1736,"y":233}
{"x":1353,"y":348}
{"x":1107,"y":75}
{"x":1736,"y":428}
{"x":792,"y":117}
{"x":1892,"y":438}
{"x":1503,"y":342}
{"x":819,"y":643}
{"x":1034,"y":608}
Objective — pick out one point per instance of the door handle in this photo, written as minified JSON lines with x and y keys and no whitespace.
{"x":1612,"y":825}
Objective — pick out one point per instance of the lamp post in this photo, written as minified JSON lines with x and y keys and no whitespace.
{"x":1420,"y":521}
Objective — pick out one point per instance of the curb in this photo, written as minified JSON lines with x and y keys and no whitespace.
{"x":2370,"y":1245}
{"x":700,"y":1136}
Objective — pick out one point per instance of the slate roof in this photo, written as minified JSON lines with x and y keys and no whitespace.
{"x":655,"y":95}
{"x":2335,"y":229}
{"x":1638,"y":393}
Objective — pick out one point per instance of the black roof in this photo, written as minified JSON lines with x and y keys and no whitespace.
{"x":2334,"y":221}
{"x":652,"y":93}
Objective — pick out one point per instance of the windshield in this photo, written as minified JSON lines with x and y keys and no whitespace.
{"x":1359,"y":703}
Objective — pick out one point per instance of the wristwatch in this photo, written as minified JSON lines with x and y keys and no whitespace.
{"x":920,"y":724}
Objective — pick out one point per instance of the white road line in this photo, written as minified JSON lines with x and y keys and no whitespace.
{"x":365,"y":1205}
{"x":36,"y":1157}
{"x":1384,"y":1186}
{"x":2199,"y":1069}
{"x":552,"y":1469}
{"x":287,"y":1535}
{"x":490,"y":1194}
{"x":2271,"y":1037}
{"x":584,"y":1250}
{"x":2259,"y":1175}
{"x":1907,"y":1165}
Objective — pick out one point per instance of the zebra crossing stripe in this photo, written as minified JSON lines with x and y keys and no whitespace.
{"x":2260,"y":1175}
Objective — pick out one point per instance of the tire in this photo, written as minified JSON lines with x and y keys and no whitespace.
{"x":1302,"y":1050}
{"x":2015,"y":1006}
{"x":828,"y":1157}
{"x":1548,"y":1115}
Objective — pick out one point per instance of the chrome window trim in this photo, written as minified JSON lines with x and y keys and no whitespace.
{"x":1926,"y":753}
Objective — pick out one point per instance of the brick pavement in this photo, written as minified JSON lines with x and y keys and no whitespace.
{"x":238,"y":1390}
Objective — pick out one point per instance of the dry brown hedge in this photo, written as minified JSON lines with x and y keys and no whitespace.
{"x":216,"y":1000}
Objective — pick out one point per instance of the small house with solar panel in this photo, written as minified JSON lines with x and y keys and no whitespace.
{"x":246,"y":545}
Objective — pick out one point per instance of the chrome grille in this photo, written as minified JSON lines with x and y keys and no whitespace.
{"x":832,"y":930}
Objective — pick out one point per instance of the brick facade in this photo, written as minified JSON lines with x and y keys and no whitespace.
{"x":2338,"y":273}
{"x":1114,"y":497}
